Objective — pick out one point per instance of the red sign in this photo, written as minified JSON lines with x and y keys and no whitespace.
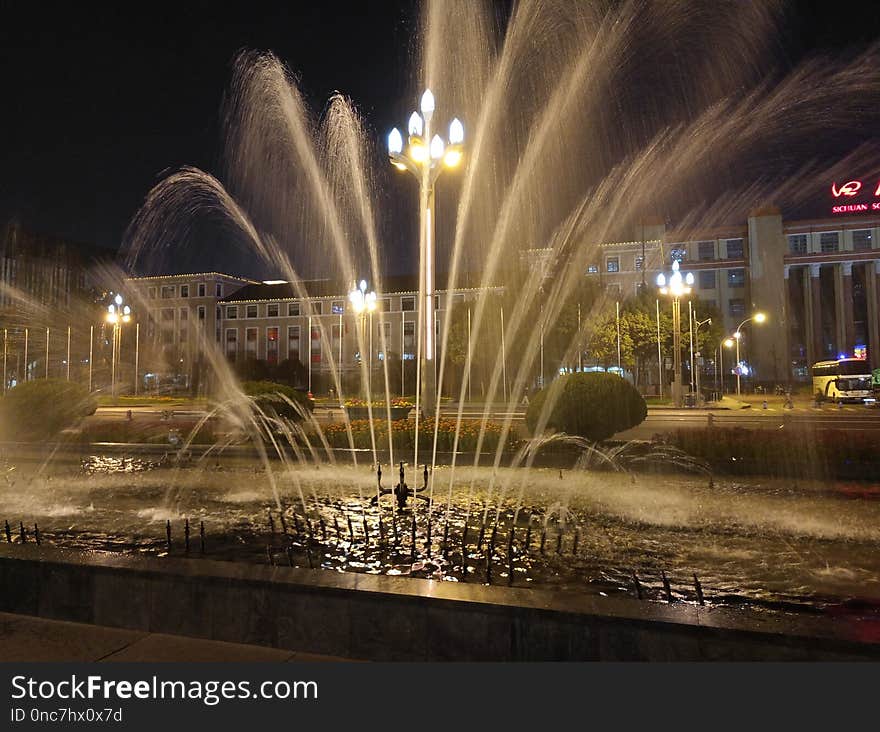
{"x":849,"y":190}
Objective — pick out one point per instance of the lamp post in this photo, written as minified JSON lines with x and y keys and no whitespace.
{"x":696,"y":366}
{"x":425,"y":156}
{"x":726,"y":343}
{"x":117,"y":314}
{"x":363,"y":302}
{"x":675,"y":286}
{"x":737,"y":335}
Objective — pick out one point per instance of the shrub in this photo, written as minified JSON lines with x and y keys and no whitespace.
{"x":40,"y":409}
{"x":403,"y":433}
{"x":273,"y":397}
{"x":592,"y":405}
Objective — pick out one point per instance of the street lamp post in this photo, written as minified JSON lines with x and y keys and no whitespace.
{"x":117,"y":314}
{"x":675,"y":286}
{"x":696,"y":363}
{"x":726,"y":343}
{"x":425,"y":156}
{"x":363,"y":302}
{"x":758,"y":318}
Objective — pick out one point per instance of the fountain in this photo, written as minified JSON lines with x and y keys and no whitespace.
{"x":551,"y":160}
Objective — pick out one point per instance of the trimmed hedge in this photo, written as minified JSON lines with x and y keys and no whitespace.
{"x":270,"y":396}
{"x":592,"y":405}
{"x":38,"y":410}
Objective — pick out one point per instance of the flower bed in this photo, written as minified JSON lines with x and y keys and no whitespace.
{"x":403,"y":434}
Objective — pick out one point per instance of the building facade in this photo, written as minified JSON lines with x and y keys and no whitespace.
{"x":817,"y":282}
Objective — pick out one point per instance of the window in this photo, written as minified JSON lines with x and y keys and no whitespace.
{"x":272,"y":310}
{"x":638,"y":263}
{"x":184,"y":314}
{"x":337,"y":307}
{"x":167,"y":337}
{"x":293,"y":308}
{"x":612,"y":264}
{"x":202,"y":289}
{"x":231,"y":312}
{"x":250,"y":343}
{"x":862,"y":240}
{"x":151,"y":293}
{"x":183,"y":335}
{"x":293,"y":342}
{"x":736,"y":277}
{"x":168,"y":291}
{"x":272,"y":345}
{"x":828,"y":241}
{"x":218,"y":290}
{"x":736,"y":307}
{"x":705,"y":250}
{"x":384,"y":305}
{"x":734,"y":248}
{"x":251,"y":311}
{"x":707,"y":279}
{"x":184,"y":290}
{"x":592,"y":269}
{"x":407,"y":304}
{"x":317,"y":309}
{"x":168,"y":315}
{"x":677,"y":254}
{"x":316,"y":344}
{"x":231,"y":343}
{"x":384,"y":332}
{"x":202,"y":312}
{"x":797,"y":243}
{"x":436,"y":302}
{"x":409,"y":341}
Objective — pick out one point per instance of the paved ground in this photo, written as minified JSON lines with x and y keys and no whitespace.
{"x":25,"y":638}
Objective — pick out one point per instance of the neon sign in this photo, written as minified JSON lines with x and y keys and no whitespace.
{"x":849,"y":190}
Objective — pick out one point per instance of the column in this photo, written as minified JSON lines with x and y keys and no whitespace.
{"x":872,"y":287}
{"x":816,"y":312}
{"x":844,"y":327}
{"x":786,"y":322}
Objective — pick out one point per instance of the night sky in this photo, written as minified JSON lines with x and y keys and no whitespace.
{"x":98,"y":100}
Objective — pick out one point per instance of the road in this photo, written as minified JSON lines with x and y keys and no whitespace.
{"x":659,"y":420}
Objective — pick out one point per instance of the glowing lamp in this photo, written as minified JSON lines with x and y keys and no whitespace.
{"x":456,"y":132}
{"x":118,"y":299}
{"x":728,"y":343}
{"x":418,"y":152}
{"x":760,"y":317}
{"x":427,"y":105}
{"x":395,"y":142}
{"x":415,"y":124}
{"x":437,"y":147}
{"x":452,"y":158}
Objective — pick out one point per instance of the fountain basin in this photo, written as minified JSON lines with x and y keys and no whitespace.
{"x":392,"y":618}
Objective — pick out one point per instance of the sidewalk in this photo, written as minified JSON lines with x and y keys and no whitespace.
{"x":25,"y":638}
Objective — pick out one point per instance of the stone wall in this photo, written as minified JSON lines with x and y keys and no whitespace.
{"x":397,"y":618}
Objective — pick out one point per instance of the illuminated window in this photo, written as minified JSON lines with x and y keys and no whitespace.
{"x":736,"y":277}
{"x":612,"y":264}
{"x":272,"y":345}
{"x":638,"y":263}
{"x":337,"y":307}
{"x":829,"y":241}
{"x":861,"y":239}
{"x":592,"y":269}
{"x":677,"y":254}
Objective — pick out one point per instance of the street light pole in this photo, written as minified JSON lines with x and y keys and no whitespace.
{"x":363,"y":302}
{"x":117,"y":314}
{"x":676,"y":285}
{"x":758,"y":318}
{"x":696,"y":355}
{"x":425,"y":157}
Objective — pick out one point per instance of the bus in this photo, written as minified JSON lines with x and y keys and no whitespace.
{"x":844,"y":380}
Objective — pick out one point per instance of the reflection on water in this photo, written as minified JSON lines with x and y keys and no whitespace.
{"x":768,"y":543}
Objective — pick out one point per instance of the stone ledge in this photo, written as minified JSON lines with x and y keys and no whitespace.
{"x":399,"y":618}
